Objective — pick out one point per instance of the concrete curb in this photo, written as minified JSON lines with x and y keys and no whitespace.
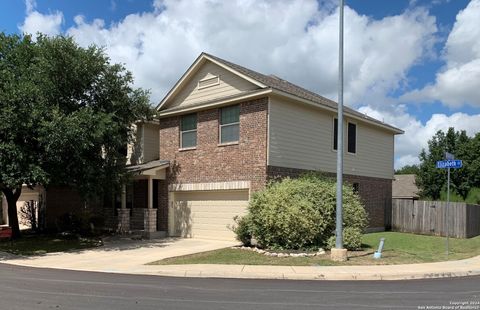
{"x":450,"y":269}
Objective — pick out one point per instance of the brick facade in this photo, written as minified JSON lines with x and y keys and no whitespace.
{"x":211,"y":162}
{"x":376,"y":193}
{"x":62,"y":201}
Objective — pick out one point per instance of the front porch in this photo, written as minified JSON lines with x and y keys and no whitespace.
{"x":142,"y":206}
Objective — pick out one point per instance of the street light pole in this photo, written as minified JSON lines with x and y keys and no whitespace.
{"x":340,"y":254}
{"x":339,"y":218}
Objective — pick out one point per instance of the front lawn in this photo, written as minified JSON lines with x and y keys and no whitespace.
{"x":42,"y":244}
{"x":400,"y":248}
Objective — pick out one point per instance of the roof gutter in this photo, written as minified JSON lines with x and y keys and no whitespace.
{"x":216,"y":103}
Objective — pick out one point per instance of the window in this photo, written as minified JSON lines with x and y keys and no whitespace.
{"x":356,"y":188}
{"x":188,"y":134}
{"x":335,"y":134}
{"x":230,"y":124}
{"x":352,"y":138}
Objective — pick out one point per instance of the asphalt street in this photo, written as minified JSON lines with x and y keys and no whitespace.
{"x":35,"y":288}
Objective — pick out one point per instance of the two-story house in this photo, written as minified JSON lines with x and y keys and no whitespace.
{"x":224,"y":131}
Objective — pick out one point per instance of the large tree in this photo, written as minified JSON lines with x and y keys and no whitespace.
{"x":408,"y":169}
{"x":432,"y":180}
{"x":65,"y":116}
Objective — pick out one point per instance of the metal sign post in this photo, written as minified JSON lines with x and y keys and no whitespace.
{"x":450,"y":162}
{"x":448,"y":206}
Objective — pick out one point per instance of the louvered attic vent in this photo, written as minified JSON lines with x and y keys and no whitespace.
{"x":208,"y":81}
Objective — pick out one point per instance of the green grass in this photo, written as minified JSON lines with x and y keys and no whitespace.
{"x":42,"y":244}
{"x":400,"y":248}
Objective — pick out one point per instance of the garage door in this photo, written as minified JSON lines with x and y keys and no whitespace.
{"x":206,"y":214}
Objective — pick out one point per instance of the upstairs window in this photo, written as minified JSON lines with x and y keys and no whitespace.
{"x":335,"y":134}
{"x":230,"y":124}
{"x":352,"y":138}
{"x":188,"y":128}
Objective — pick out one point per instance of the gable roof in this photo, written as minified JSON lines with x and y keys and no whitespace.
{"x":273,"y":83}
{"x":404,"y":186}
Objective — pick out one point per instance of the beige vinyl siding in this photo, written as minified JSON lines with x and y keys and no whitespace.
{"x":301,"y":137}
{"x":230,"y":84}
{"x":152,"y":142}
{"x":146,"y":144}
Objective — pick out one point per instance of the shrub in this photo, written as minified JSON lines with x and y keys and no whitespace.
{"x":243,"y":230}
{"x":300,"y":213}
{"x":352,"y":239}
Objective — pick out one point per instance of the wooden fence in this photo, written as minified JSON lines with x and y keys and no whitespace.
{"x":429,"y":218}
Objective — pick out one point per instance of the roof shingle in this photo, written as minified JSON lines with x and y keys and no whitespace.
{"x":290,"y":88}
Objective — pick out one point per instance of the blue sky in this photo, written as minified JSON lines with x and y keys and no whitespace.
{"x":414,"y":64}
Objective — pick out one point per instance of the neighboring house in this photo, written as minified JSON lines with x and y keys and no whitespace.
{"x":224,"y":131}
{"x":404,"y":187}
{"x":28,"y":195}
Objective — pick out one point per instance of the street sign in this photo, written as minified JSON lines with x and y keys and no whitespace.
{"x":450,"y":162}
{"x":444,"y":164}
{"x":449,"y":156}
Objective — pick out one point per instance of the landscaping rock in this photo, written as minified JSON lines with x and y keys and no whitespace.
{"x":274,"y":254}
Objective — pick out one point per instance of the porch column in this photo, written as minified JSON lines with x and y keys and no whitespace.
{"x":123,"y":213}
{"x":124,"y":197}
{"x":150,"y":218}
{"x":150,"y":193}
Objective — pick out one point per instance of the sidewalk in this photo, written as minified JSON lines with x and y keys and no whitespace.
{"x":130,"y":258}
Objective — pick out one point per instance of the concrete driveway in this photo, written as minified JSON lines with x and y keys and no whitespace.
{"x":120,"y":254}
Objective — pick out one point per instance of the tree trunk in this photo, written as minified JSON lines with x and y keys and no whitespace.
{"x":12,"y":198}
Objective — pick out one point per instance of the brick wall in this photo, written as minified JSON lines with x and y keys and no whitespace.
{"x":137,"y":219}
{"x":376,"y":193}
{"x":209,"y":162}
{"x":62,"y":200}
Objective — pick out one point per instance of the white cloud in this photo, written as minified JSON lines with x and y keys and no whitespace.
{"x":409,"y":145}
{"x":49,"y":24}
{"x":457,"y":84}
{"x":296,"y":40}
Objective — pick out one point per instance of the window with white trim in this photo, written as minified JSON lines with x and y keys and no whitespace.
{"x":230,"y":124}
{"x":188,"y":131}
{"x":352,"y":138}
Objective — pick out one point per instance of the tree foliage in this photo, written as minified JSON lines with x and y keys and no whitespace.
{"x":408,"y":169}
{"x":432,"y":180}
{"x":65,"y":116}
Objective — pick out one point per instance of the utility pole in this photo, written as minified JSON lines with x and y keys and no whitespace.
{"x":339,"y":253}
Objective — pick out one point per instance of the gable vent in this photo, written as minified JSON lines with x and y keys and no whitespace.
{"x":209,"y":81}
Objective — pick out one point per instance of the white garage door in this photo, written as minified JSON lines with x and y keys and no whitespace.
{"x":206,"y":214}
